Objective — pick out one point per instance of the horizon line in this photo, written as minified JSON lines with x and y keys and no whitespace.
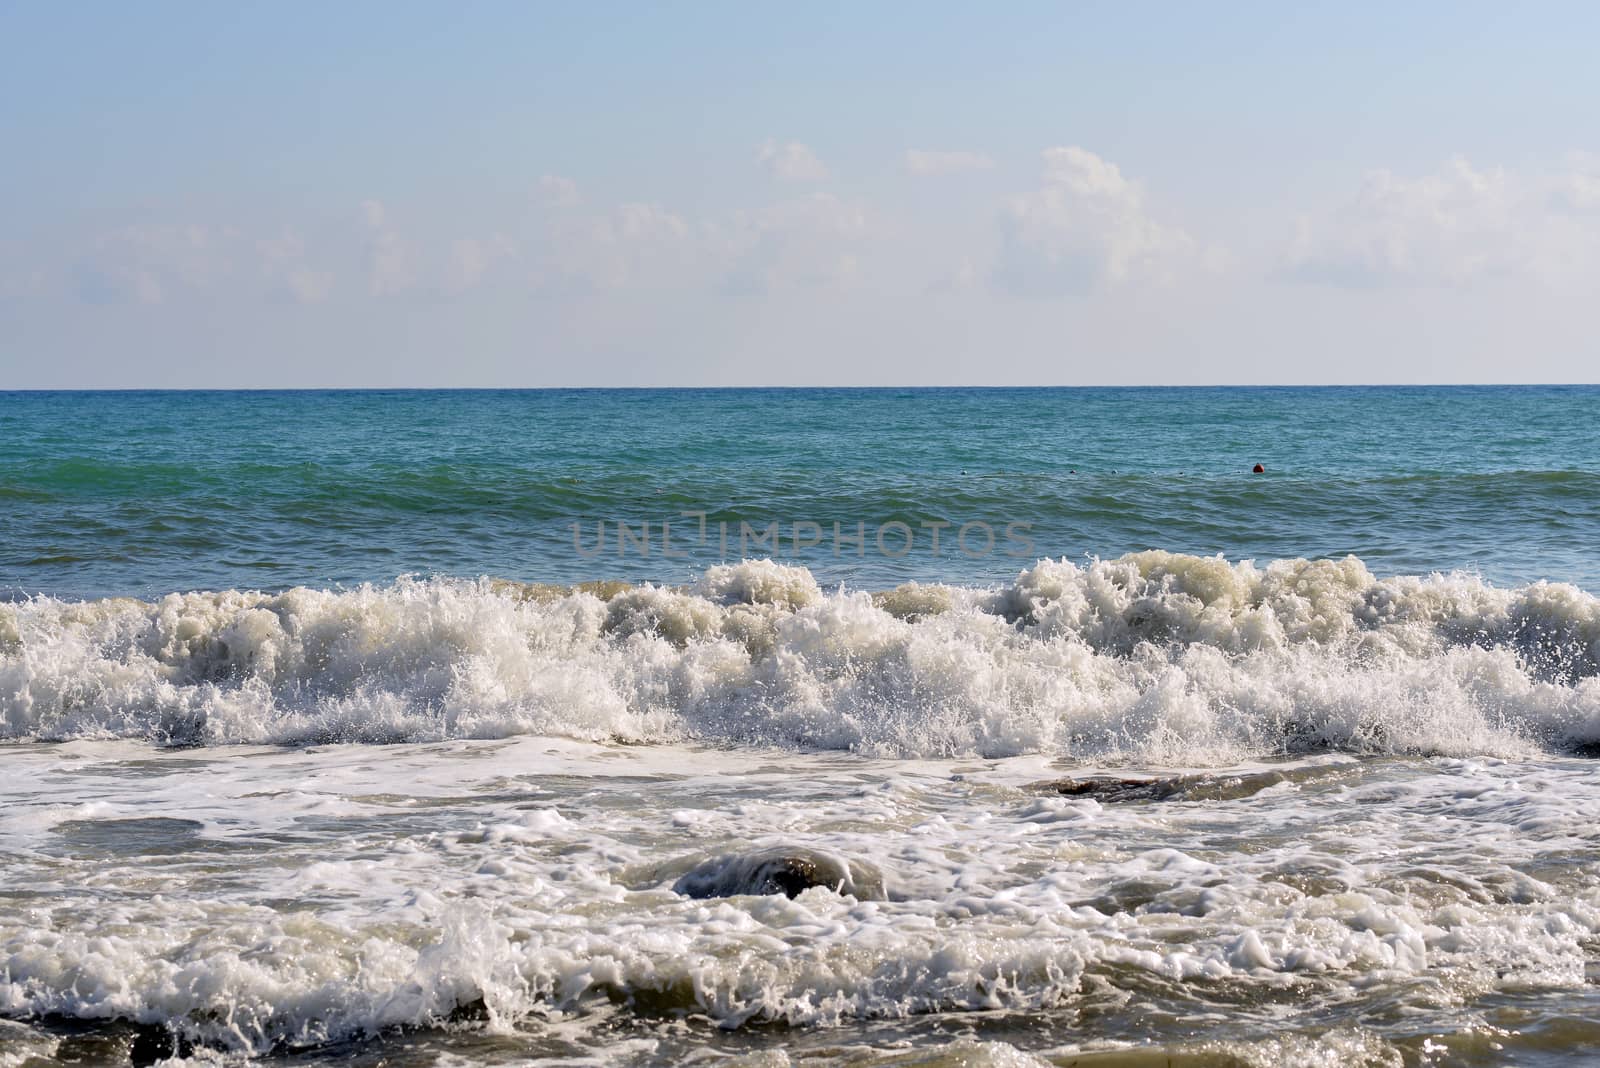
{"x":786,"y":388}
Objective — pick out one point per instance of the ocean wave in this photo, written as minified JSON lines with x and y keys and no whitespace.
{"x":1156,"y":657}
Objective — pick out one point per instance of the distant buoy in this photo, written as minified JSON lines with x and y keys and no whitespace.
{"x":1258,"y":469}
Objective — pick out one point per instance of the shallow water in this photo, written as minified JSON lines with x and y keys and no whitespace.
{"x":323,"y":902}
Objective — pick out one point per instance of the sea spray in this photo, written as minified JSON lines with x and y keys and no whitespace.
{"x":1155,"y":657}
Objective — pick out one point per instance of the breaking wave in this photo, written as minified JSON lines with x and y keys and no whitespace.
{"x":1155,"y":657}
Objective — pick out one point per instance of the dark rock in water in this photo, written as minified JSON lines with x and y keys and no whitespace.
{"x":1115,"y":790}
{"x":153,"y":1043}
{"x":783,"y":871}
{"x":1191,"y":787}
{"x":474,"y":1011}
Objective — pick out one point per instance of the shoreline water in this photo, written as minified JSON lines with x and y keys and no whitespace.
{"x":1372,"y":912}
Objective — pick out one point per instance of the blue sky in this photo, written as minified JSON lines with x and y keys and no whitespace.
{"x":719,"y":194}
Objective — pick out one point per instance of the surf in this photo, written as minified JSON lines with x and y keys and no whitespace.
{"x":1155,"y":657}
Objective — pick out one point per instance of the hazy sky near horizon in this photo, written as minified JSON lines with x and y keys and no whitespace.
{"x":527,"y":194}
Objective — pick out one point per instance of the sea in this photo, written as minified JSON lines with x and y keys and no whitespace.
{"x":943,"y":727}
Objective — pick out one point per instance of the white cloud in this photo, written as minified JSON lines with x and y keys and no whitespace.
{"x":1577,"y":193}
{"x":1085,"y":227}
{"x":149,"y":263}
{"x":922,"y":162}
{"x":286,"y":247}
{"x":158,"y":263}
{"x":813,"y":241}
{"x":964,"y":279}
{"x":471,"y":259}
{"x":801,"y":242}
{"x":391,"y":261}
{"x":791,"y":161}
{"x":632,"y":244}
{"x":1457,"y":227}
{"x":308,"y":285}
{"x":284,"y":266}
{"x":635,"y":222}
{"x":559,"y":192}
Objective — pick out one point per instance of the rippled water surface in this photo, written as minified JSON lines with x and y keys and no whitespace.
{"x":145,"y":493}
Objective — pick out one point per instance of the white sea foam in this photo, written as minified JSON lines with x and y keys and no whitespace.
{"x":1154,"y":657}
{"x":397,"y":891}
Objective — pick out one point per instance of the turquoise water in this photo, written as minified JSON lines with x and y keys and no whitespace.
{"x":143,"y":493}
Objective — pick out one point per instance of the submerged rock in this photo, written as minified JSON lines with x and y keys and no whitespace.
{"x":154,"y":1043}
{"x":781,"y":870}
{"x":1192,"y":787}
